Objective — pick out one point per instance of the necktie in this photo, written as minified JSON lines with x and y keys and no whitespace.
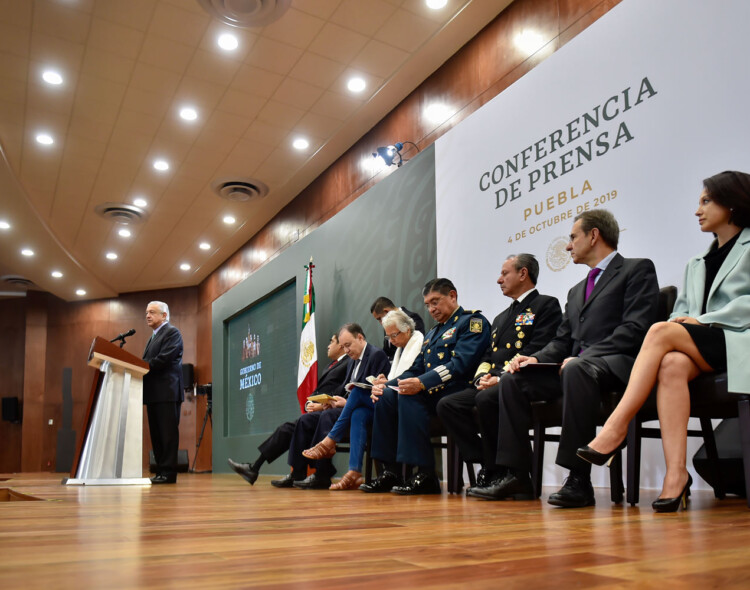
{"x":593,"y":273}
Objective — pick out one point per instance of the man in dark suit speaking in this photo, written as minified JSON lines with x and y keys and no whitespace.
{"x":162,"y":390}
{"x":606,"y":318}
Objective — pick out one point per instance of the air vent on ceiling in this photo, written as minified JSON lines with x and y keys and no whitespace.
{"x":239,"y":189}
{"x":121,"y":213}
{"x":17,"y":280}
{"x":246,"y":13}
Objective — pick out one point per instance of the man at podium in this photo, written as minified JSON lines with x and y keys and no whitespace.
{"x":162,"y":390}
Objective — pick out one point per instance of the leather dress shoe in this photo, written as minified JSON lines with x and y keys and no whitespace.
{"x":244,"y":469}
{"x":509,"y":487}
{"x":421,"y":483}
{"x":313,"y":482}
{"x":285,"y":482}
{"x":164,"y":478}
{"x":577,"y":492}
{"x":384,"y":483}
{"x":484,"y":478}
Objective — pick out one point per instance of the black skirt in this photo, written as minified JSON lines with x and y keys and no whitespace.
{"x":711,"y":344}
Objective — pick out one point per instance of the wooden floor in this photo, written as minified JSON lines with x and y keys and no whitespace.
{"x":216,"y":531}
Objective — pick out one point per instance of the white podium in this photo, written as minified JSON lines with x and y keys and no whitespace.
{"x":110,"y":447}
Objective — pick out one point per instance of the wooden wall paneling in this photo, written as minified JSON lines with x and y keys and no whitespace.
{"x":13,"y":337}
{"x":35,"y":354}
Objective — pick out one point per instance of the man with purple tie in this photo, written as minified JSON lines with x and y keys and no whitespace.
{"x":606,"y":318}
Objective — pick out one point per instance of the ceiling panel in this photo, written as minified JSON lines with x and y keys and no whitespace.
{"x":129,"y":66}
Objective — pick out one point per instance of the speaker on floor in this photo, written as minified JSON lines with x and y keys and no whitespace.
{"x":188,"y":375}
{"x":182,"y":461}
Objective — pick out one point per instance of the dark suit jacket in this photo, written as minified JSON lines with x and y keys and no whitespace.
{"x":532,"y":326}
{"x":373,"y":362}
{"x":163,"y":382}
{"x":389,"y":348}
{"x":332,"y":379}
{"x":611,"y":325}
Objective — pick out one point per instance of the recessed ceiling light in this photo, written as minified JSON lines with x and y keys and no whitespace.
{"x":56,"y":274}
{"x":188,"y":113}
{"x":125,"y":233}
{"x":44,"y":139}
{"x":4,"y":224}
{"x":111,"y":256}
{"x":27,"y":252}
{"x":52,"y":77}
{"x":436,"y":4}
{"x":184,"y":266}
{"x":161,"y":165}
{"x":228,"y":42}
{"x":140,"y":203}
{"x":204,"y":246}
{"x":356,"y":84}
{"x":300,"y":143}
{"x":229,"y":220}
{"x":80,"y":292}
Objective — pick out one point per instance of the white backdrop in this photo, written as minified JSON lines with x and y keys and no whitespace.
{"x":631,"y":115}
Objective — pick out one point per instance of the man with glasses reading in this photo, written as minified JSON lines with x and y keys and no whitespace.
{"x":450,"y":354}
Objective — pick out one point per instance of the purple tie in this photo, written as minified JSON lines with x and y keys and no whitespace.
{"x":593,"y":273}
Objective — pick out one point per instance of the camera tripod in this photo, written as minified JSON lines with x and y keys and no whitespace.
{"x":206,"y":418}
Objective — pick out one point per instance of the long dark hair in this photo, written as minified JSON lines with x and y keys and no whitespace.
{"x":731,"y":189}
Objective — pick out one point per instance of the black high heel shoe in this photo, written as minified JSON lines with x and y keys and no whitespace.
{"x":673,"y":504}
{"x":596,"y":458}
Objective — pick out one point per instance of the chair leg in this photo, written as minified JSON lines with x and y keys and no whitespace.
{"x":455,"y":468}
{"x":634,"y":461}
{"x":472,"y":476}
{"x":712,"y":455}
{"x":743,"y":407}
{"x":537,"y":463}
{"x":615,"y":479}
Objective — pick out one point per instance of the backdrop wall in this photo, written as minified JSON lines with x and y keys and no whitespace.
{"x":631,"y":115}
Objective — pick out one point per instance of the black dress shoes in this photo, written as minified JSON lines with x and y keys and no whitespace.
{"x":164,"y":478}
{"x":577,"y":492}
{"x":313,"y":482}
{"x":285,"y":482}
{"x":484,"y":478}
{"x":384,"y":483}
{"x":421,"y":483}
{"x":509,"y":487}
{"x":244,"y":469}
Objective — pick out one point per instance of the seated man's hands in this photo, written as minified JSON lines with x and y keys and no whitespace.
{"x":338,"y":401}
{"x":376,"y":391}
{"x":517,"y":363}
{"x":314,"y":407}
{"x":380,"y":380}
{"x":410,"y":386}
{"x":486,"y":381}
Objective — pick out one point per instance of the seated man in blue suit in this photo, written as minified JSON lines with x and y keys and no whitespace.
{"x":401,"y":428}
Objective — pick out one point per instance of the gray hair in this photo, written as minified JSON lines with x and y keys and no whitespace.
{"x":398,"y":318}
{"x":163,"y":307}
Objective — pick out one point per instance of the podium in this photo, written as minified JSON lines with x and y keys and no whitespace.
{"x":110,"y":447}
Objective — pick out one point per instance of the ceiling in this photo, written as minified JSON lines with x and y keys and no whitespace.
{"x":129,"y":67}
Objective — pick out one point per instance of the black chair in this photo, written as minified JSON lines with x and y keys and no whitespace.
{"x":548,"y":414}
{"x":710,"y":398}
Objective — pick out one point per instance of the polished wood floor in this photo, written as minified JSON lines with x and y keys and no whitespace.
{"x":216,"y":531}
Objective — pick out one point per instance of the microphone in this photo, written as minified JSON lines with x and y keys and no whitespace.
{"x":123,"y":336}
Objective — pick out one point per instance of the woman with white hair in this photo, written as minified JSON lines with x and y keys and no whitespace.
{"x":356,"y":417}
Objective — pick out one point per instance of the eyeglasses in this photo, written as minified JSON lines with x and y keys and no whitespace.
{"x":392,"y":336}
{"x":433,"y":303}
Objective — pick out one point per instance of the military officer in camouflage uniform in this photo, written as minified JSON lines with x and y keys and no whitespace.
{"x":450,"y":355}
{"x":524,"y":328}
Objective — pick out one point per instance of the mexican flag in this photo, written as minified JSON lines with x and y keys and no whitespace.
{"x":307,"y":373}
